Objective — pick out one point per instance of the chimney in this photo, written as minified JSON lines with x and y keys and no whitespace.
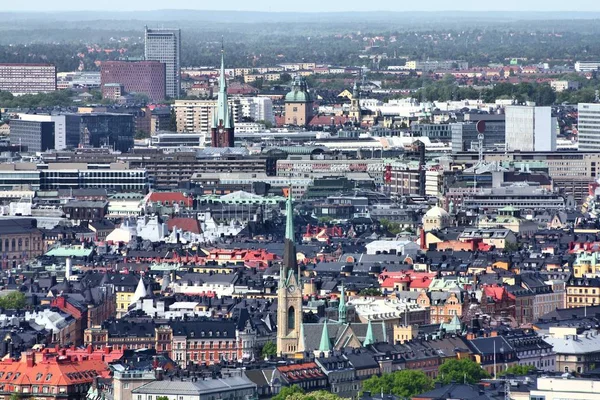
{"x":494,"y":334}
{"x":29,"y":360}
{"x":159,"y":374}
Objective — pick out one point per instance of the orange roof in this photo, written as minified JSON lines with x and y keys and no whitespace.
{"x":170,"y":197}
{"x":297,"y":372}
{"x":54,"y":371}
{"x":421,"y":283}
{"x":494,"y":291}
{"x":185,"y":224}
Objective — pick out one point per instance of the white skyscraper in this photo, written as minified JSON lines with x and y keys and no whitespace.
{"x":588,"y":126}
{"x":164,"y":45}
{"x":530,"y":128}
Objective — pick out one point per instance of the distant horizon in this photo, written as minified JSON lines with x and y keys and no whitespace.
{"x":475,"y":7}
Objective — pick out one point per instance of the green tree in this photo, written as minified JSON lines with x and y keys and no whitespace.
{"x":285,"y":77}
{"x":318,"y":395}
{"x":269,"y":349}
{"x":460,"y":371}
{"x":518,"y":370}
{"x":162,"y":397}
{"x":370,"y":292}
{"x":392,"y":227}
{"x":406,"y":383}
{"x":288,"y":391}
{"x":13,"y":301}
{"x":510,"y":247}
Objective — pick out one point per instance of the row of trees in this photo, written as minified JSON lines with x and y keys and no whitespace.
{"x":409,"y":382}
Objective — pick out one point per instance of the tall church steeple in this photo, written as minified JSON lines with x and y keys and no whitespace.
{"x":289,"y":294}
{"x":222,"y":130}
{"x":342,"y":307}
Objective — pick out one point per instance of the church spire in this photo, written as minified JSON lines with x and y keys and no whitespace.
{"x":289,"y":250}
{"x":289,"y":217}
{"x":342,"y":307}
{"x":369,"y":338}
{"x":223,"y":115}
{"x":325,"y":345}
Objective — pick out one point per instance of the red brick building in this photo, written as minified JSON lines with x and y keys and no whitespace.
{"x":144,"y":77}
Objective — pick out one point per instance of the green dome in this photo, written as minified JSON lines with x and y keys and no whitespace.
{"x":299,"y":92}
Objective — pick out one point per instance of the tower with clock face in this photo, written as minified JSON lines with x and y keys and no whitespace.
{"x":289,"y":293}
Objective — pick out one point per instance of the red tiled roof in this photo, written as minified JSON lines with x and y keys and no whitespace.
{"x":298,"y":372}
{"x":422,"y":283}
{"x":495,"y":292}
{"x":170,"y":197}
{"x":324,"y":120}
{"x":55,"y":371}
{"x":185,"y":224}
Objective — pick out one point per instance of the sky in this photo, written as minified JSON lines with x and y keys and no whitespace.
{"x":305,"y":5}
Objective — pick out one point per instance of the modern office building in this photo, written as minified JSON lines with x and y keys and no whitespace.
{"x":164,"y":45}
{"x":465,"y":135}
{"x":118,"y":177}
{"x":441,"y":132}
{"x":21,"y":79}
{"x":61,"y":138}
{"x":571,"y":171}
{"x":588,"y":126}
{"x":142,"y":77}
{"x":32,"y":136}
{"x":111,"y":130}
{"x":530,"y":128}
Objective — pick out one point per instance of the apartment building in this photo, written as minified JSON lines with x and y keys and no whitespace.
{"x":588,"y":125}
{"x":197,"y":115}
{"x":21,"y":79}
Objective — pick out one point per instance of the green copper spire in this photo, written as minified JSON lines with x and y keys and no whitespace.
{"x":369,"y":338}
{"x":289,"y":221}
{"x":342,"y":307}
{"x":325,"y":345}
{"x":222,"y":114}
{"x":290,"y":265}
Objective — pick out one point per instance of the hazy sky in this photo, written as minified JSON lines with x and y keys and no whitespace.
{"x":306,"y":5}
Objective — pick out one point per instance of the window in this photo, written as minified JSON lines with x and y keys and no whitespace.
{"x":291,"y":318}
{"x":126,"y":385}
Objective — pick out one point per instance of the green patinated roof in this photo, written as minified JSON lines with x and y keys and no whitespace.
{"x":370,"y":337}
{"x":325,"y":344}
{"x":299,"y":92}
{"x":69,"y":252}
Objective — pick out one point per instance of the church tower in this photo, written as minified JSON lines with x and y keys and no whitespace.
{"x":221,"y":132}
{"x":298,"y":103}
{"x":355,"y":112}
{"x":289,"y":293}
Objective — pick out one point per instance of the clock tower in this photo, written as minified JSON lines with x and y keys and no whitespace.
{"x":289,"y":293}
